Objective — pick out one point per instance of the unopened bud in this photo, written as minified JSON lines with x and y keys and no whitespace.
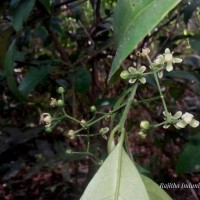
{"x":124,"y":74}
{"x":93,"y":109}
{"x":60,"y":103}
{"x":104,"y":130}
{"x":144,"y":125}
{"x":142,"y":134}
{"x":48,"y":130}
{"x":68,"y":151}
{"x":61,"y":90}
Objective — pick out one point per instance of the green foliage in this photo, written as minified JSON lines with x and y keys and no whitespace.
{"x":133,"y":20}
{"x":195,"y":43}
{"x":32,"y":79}
{"x":82,"y":80}
{"x":8,"y":65}
{"x":46,"y":4}
{"x":153,"y":190}
{"x":70,"y":44}
{"x":5,"y":32}
{"x":21,"y":12}
{"x":118,"y":178}
{"x":189,"y":10}
{"x":189,"y":160}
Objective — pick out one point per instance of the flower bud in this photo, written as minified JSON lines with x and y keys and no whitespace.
{"x":60,"y":103}
{"x":104,"y":130}
{"x":68,"y":151}
{"x":61,"y":90}
{"x":124,"y":74}
{"x":93,"y":109}
{"x":142,"y":134}
{"x":48,"y":130}
{"x":144,"y":125}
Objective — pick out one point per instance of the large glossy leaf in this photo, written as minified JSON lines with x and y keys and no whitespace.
{"x":189,"y":160}
{"x":133,"y":20}
{"x":21,"y":13}
{"x":118,"y":179}
{"x":8,"y":67}
{"x":32,"y":79}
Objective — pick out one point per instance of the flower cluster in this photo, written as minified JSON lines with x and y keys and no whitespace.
{"x":180,"y":120}
{"x":134,"y":74}
{"x":166,"y":60}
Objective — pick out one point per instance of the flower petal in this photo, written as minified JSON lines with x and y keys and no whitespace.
{"x":160,"y":74}
{"x":178,"y":115}
{"x":132,"y":70}
{"x":164,"y":113}
{"x":177,"y":60}
{"x":168,"y":57}
{"x":142,"y":80}
{"x":142,"y":69}
{"x":132,"y":80}
{"x":169,"y":66}
{"x":159,"y":60}
{"x":181,"y":124}
{"x":194,"y":123}
{"x":166,"y":126}
{"x":167,"y":51}
{"x":187,"y":117}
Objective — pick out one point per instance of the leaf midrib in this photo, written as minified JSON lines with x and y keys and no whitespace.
{"x":118,"y":173}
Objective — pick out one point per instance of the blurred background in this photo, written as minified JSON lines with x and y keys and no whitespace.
{"x":47,"y":44}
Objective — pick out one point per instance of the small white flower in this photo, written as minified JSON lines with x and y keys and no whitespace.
{"x":47,"y":119}
{"x":53,"y":102}
{"x":83,"y":123}
{"x":166,"y":59}
{"x":173,"y":119}
{"x":71,"y":134}
{"x":137,"y":74}
{"x":188,"y":119}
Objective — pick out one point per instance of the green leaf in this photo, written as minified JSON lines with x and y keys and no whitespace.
{"x":14,"y":3}
{"x":82,"y":80}
{"x":182,"y":74}
{"x":195,"y":43}
{"x":176,"y":91}
{"x":21,"y":13}
{"x":5,"y":32}
{"x":189,"y":160}
{"x":133,"y":20}
{"x":188,"y":11}
{"x":118,"y":179}
{"x":46,"y":4}
{"x":154,"y":190}
{"x":8,"y":66}
{"x":32,"y":79}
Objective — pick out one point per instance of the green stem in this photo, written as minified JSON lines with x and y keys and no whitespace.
{"x":159,"y":88}
{"x":160,"y":124}
{"x":128,"y":105}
